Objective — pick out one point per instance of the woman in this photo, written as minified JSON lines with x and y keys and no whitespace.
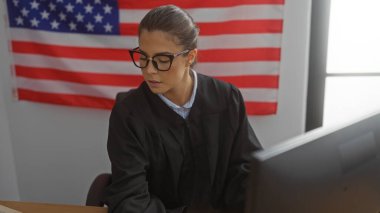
{"x":181,"y":141}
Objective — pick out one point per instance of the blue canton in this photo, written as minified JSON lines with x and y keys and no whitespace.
{"x":72,"y":16}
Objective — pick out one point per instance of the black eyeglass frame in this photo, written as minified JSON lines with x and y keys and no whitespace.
{"x":171,"y":56}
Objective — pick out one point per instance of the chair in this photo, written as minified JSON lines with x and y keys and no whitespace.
{"x":95,"y":195}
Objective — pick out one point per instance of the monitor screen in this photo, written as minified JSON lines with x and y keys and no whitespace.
{"x":325,"y":170}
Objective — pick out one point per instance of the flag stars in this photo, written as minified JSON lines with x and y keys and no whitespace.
{"x":107,"y":9}
{"x":90,"y":27}
{"x":69,"y":8}
{"x":62,"y":16}
{"x":108,"y":27}
{"x":72,"y":26}
{"x":45,"y":15}
{"x":82,"y":16}
{"x":88,"y":8}
{"x":98,"y":18}
{"x":79,"y":17}
{"x":15,"y":3}
{"x":54,"y":25}
{"x":24,"y":12}
{"x":34,"y":5}
{"x":34,"y":22}
{"x":19,"y":21}
{"x":52,"y":6}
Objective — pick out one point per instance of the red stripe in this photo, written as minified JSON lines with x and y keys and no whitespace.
{"x":247,"y":81}
{"x":65,"y":99}
{"x":129,"y":29}
{"x":252,"y":108}
{"x":70,"y":52}
{"x":252,"y":81}
{"x":138,"y":4}
{"x":133,"y":80}
{"x":221,"y":28}
{"x":215,"y":55}
{"x":241,"y":27}
{"x":260,"y":108}
{"x":239,"y":55}
{"x":79,"y":77}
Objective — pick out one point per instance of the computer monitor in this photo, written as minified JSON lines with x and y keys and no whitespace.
{"x":323,"y":171}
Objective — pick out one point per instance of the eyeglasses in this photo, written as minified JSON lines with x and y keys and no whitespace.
{"x":161,"y":61}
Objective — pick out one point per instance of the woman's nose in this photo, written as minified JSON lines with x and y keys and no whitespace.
{"x":150,"y":68}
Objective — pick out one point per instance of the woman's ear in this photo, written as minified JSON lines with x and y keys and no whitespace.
{"x":192,"y":56}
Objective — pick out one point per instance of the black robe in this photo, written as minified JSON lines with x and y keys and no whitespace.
{"x":164,"y":163}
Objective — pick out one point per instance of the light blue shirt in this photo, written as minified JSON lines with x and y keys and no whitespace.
{"x":184,"y":110}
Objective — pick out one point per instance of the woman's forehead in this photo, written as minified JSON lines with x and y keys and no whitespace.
{"x":153,"y":42}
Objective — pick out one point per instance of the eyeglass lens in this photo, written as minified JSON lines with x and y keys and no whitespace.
{"x":160,"y":62}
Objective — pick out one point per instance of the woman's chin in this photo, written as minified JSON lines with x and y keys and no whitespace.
{"x":156,"y":90}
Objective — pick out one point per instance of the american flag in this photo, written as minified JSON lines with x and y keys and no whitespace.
{"x":75,"y":52}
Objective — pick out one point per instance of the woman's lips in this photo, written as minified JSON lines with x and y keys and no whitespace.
{"x":154,"y":83}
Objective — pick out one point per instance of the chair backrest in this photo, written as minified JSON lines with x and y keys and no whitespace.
{"x":96,"y":193}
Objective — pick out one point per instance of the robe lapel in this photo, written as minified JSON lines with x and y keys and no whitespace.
{"x":206,"y":114}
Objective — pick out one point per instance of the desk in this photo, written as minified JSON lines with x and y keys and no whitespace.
{"x":26,"y":207}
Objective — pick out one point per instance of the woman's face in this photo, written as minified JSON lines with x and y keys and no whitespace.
{"x":164,"y":82}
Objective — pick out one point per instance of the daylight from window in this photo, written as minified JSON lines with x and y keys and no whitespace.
{"x":354,"y":44}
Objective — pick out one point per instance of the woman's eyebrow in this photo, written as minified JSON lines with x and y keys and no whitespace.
{"x":164,"y":53}
{"x":142,"y":51}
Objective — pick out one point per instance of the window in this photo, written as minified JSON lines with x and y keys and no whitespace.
{"x":352,"y":86}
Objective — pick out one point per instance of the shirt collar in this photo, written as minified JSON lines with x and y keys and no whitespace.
{"x":189,"y":103}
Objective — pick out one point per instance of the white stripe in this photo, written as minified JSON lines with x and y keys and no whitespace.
{"x":74,"y":40}
{"x":239,"y":41}
{"x":238,"y":68}
{"x":76,"y":65}
{"x":259,"y":95}
{"x":243,"y":12}
{"x":129,"y":42}
{"x":117,"y":67}
{"x":69,"y":88}
{"x":60,"y":87}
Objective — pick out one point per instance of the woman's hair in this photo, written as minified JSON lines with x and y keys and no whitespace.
{"x":174,"y":21}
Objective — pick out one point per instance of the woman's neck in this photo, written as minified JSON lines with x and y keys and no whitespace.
{"x":182,"y":95}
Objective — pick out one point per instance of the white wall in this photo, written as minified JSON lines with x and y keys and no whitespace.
{"x":8,"y":178}
{"x":58,"y":150}
{"x":290,"y":119}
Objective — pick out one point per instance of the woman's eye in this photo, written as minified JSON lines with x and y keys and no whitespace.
{"x":163,"y":59}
